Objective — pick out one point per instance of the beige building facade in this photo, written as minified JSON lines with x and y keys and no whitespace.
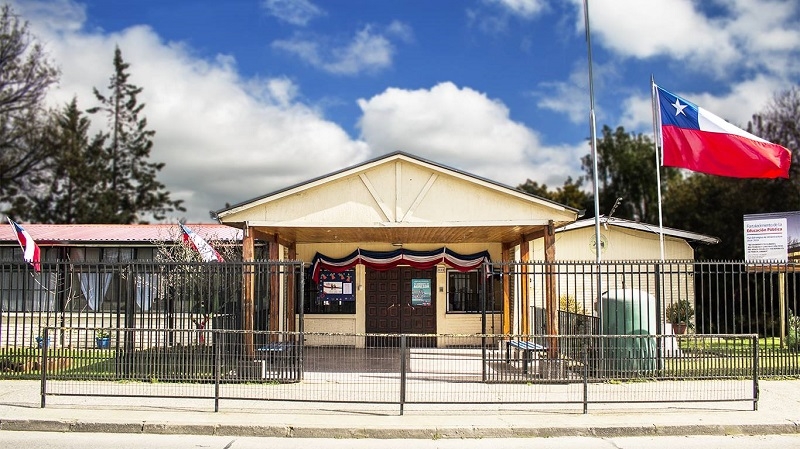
{"x":400,"y":202}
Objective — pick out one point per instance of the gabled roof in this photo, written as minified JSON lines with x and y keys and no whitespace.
{"x":89,"y":234}
{"x":401,"y":198}
{"x":639,"y":226}
{"x":381,"y":160}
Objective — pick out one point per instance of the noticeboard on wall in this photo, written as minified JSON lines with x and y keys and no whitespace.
{"x":336,"y":286}
{"x":772,"y":236}
{"x":420,"y":292}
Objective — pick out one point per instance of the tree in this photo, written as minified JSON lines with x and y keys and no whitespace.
{"x":131,"y":191}
{"x":627,"y":169}
{"x":25,"y":76}
{"x":67,"y":191}
{"x":570,"y":194}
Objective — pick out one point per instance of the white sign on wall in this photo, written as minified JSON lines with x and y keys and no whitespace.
{"x":766,"y":239}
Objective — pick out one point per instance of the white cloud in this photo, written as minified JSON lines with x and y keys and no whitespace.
{"x":522,"y":8}
{"x":367,"y":51}
{"x":463,"y":128}
{"x":295,"y":12}
{"x":759,"y":34}
{"x":494,"y":19}
{"x":223,"y":138}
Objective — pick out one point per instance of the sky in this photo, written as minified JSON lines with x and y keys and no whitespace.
{"x":251,"y":96}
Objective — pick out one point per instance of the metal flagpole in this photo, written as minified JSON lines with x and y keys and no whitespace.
{"x":656,"y":140}
{"x":598,"y":243}
{"x":593,"y":131}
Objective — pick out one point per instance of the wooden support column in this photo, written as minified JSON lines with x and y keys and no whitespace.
{"x":550,"y":288}
{"x":506,"y":258}
{"x":291,"y":281}
{"x":525,"y":303}
{"x":248,"y":289}
{"x":274,"y":289}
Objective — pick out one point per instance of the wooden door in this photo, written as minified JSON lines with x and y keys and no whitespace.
{"x":390,"y":307}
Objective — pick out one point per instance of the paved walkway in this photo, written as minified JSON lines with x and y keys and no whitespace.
{"x":778,"y":413}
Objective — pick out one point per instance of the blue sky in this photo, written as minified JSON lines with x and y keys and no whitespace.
{"x":249,"y":96}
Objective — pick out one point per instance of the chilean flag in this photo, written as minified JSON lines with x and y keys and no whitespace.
{"x":694,"y":138}
{"x":207,"y":253}
{"x":30,"y":250}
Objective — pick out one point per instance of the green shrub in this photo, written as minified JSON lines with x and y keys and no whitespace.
{"x":793,"y":332}
{"x":680,"y":311}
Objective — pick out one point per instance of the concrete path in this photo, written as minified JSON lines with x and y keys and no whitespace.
{"x":778,"y":413}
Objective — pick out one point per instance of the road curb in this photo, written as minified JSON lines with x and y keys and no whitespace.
{"x":33,"y":425}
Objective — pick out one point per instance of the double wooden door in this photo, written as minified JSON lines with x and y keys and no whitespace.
{"x":401,"y":300}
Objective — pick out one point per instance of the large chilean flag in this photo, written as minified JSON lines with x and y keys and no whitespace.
{"x":696,"y":139}
{"x":30,"y":250}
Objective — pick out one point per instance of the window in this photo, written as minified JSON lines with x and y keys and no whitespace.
{"x":22,"y":290}
{"x":464,"y":291}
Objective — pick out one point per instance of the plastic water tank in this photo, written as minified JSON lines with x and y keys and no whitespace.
{"x":631,"y":315}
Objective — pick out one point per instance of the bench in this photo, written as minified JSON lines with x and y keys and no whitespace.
{"x":277,"y":349}
{"x":527,"y":348}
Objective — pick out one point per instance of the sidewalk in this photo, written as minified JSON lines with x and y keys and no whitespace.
{"x":778,"y":413}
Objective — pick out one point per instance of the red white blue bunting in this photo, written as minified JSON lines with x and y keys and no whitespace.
{"x":385,"y":260}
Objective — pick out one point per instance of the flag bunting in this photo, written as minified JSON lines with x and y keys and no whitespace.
{"x":385,"y":260}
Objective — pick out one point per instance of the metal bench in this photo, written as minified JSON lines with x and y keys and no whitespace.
{"x":527,"y":348}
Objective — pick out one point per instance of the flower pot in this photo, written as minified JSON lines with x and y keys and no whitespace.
{"x":679,"y":328}
{"x":103,"y":342}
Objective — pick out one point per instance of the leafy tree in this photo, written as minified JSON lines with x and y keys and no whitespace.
{"x":627,"y":169}
{"x":130,"y":189}
{"x":25,"y":76}
{"x":67,"y":191}
{"x":570,"y":194}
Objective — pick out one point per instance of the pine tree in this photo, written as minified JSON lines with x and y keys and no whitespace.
{"x":130,"y":191}
{"x":67,"y":191}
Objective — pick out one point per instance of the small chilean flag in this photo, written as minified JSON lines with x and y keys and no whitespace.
{"x":696,"y":139}
{"x":30,"y":250}
{"x":207,"y":253}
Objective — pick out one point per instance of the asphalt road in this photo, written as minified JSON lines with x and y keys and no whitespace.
{"x":77,"y":440}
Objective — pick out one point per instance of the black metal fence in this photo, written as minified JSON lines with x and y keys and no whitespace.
{"x":610,"y":298}
{"x":71,"y":296}
{"x":461,"y":369}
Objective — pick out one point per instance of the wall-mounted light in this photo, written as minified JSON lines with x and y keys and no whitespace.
{"x":397,"y":244}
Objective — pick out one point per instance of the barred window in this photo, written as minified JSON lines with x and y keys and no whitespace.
{"x":464,"y":292}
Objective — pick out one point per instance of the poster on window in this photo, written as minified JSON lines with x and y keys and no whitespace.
{"x":420,"y":292}
{"x":336,"y":286}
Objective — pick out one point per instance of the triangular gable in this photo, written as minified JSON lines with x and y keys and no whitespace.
{"x":398,"y":190}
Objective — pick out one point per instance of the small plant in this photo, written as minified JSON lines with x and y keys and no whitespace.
{"x":568,"y":303}
{"x":102,"y":333}
{"x":680,"y":312}
{"x":793,"y":332}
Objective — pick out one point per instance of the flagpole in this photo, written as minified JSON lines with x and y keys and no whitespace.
{"x":593,"y":137}
{"x":656,"y":140}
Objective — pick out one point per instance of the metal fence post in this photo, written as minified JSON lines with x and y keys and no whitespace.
{"x":43,"y":365}
{"x":403,"y":349}
{"x":755,"y":372}
{"x":217,"y":364}
{"x":586,"y":344}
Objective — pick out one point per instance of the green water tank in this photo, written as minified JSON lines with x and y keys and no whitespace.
{"x":628,"y":317}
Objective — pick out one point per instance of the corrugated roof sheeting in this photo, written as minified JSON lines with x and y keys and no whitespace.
{"x":55,"y":234}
